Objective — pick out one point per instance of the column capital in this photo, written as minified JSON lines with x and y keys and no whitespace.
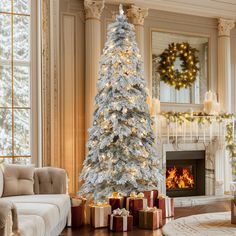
{"x":224,"y":26}
{"x":93,"y":8}
{"x":137,"y":14}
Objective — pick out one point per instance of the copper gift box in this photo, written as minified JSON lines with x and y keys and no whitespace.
{"x":116,"y":202}
{"x":166,"y":204}
{"x":150,"y":219}
{"x":134,"y":205}
{"x":120,"y":223}
{"x":151,"y":197}
{"x":99,"y":216}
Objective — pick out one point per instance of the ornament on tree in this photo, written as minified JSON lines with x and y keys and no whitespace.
{"x":121,"y":151}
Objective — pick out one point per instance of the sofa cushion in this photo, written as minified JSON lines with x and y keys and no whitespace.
{"x":50,"y":180}
{"x":31,"y":225}
{"x":61,"y":201}
{"x":1,"y":182}
{"x":51,"y":208}
{"x":18,"y":180}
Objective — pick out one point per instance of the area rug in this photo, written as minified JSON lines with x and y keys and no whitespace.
{"x":211,"y":224}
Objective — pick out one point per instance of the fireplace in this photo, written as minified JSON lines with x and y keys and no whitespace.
{"x":185,"y":173}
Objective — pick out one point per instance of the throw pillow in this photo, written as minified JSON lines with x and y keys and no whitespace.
{"x":18,"y":180}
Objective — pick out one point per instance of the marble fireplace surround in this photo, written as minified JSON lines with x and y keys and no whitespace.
{"x":217,"y":172}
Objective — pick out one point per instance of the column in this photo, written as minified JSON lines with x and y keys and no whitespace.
{"x":224,"y":85}
{"x":224,"y":64}
{"x":137,"y":16}
{"x":93,"y":10}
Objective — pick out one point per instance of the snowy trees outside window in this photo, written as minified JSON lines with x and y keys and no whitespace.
{"x":15,"y":108}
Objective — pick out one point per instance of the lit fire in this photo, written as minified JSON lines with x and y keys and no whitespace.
{"x":179,"y":178}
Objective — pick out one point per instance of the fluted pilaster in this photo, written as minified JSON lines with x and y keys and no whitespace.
{"x":137,"y":16}
{"x":93,"y":10}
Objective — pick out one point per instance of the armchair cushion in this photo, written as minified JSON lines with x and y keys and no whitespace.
{"x":50,"y":180}
{"x":18,"y":180}
{"x":7,"y":208}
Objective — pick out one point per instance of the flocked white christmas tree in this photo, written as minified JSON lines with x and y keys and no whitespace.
{"x":121,"y":151}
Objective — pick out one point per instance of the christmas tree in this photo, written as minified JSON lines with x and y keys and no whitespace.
{"x":121,"y":150}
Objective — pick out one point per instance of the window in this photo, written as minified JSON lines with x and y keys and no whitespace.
{"x":15,"y":81}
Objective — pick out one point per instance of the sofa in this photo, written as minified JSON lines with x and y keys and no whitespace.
{"x":37,"y":196}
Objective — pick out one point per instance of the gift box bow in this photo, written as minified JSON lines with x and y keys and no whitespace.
{"x":99,"y":204}
{"x":120,"y":212}
{"x":134,"y":195}
{"x":162,"y":196}
{"x":150,"y":209}
{"x":115,"y":195}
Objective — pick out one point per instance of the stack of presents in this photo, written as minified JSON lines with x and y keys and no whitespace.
{"x":145,"y":210}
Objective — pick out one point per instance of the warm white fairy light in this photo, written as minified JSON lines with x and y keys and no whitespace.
{"x":122,"y":126}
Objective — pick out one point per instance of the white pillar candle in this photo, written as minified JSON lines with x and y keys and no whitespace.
{"x":204,"y":134}
{"x":156,"y":106}
{"x":233,"y":129}
{"x":176,"y":131}
{"x":184,"y":124}
{"x":208,"y":106}
{"x":210,"y":130}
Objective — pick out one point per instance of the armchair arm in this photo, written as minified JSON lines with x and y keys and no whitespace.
{"x":8,"y":218}
{"x":50,"y":180}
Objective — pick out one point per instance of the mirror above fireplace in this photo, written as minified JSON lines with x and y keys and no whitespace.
{"x":165,"y":92}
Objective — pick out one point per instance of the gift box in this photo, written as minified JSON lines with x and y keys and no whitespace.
{"x":99,"y":215}
{"x":120,"y":220}
{"x":150,"y":218}
{"x":151,"y":197}
{"x":166,"y":204}
{"x":116,"y":201}
{"x":233,"y":211}
{"x":134,"y":203}
{"x":77,"y":211}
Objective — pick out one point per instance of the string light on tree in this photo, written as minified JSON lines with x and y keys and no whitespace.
{"x":121,"y":151}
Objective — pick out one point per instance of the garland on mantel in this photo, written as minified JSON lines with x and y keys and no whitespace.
{"x":202,"y":118}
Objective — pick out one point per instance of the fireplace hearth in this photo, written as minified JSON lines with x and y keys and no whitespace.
{"x":185,"y":173}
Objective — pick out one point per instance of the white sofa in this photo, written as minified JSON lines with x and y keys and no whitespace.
{"x":47,"y":211}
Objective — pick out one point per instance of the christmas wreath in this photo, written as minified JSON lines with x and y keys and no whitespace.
{"x":172,"y":76}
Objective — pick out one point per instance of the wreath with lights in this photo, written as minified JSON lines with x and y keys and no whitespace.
{"x":185,"y":77}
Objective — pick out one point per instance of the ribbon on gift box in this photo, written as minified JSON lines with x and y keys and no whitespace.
{"x":146,"y":211}
{"x":77,"y":201}
{"x":124,"y":214}
{"x":99,"y":204}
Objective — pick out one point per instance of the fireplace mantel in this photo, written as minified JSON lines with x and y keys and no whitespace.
{"x":172,"y":137}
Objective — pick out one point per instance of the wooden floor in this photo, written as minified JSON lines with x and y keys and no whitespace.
{"x":179,"y":212}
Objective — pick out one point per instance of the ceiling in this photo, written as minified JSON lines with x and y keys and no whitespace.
{"x":207,"y":8}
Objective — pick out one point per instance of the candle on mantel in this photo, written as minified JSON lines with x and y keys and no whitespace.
{"x":204,"y":135}
{"x":156,"y":107}
{"x":217,"y":108}
{"x":211,"y":106}
{"x":208,"y":106}
{"x":233,"y":130}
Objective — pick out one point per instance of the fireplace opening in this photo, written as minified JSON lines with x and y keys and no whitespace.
{"x":185,"y":173}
